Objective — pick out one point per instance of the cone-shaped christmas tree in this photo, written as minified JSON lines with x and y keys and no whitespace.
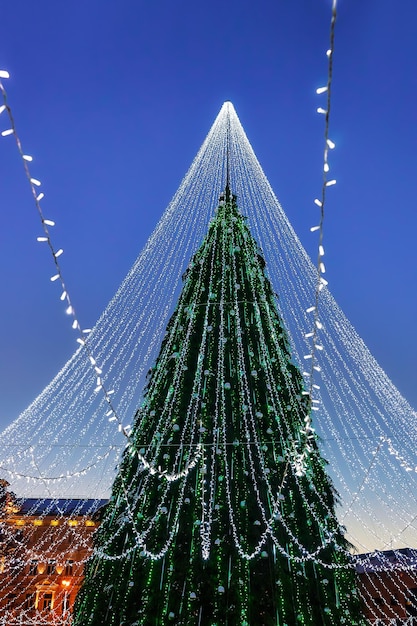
{"x":222,"y":511}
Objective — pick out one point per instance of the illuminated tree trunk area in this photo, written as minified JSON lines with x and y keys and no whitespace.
{"x":222,"y":512}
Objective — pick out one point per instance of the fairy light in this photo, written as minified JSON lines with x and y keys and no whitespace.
{"x":47,"y":223}
{"x":321,"y":269}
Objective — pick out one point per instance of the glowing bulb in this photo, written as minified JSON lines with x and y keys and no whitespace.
{"x":49,"y":222}
{"x":75,"y":324}
{"x":81,"y":341}
{"x":318,"y":202}
{"x":321,"y":90}
{"x":2,"y":108}
{"x":331,"y":144}
{"x":69,"y":310}
{"x":310,"y":309}
{"x":27,"y":157}
{"x":4,"y":74}
{"x":92,"y":360}
{"x":326,"y":167}
{"x":328,"y":52}
{"x":112,"y":419}
{"x":41,"y":238}
{"x":58,"y":253}
{"x":7,"y":132}
{"x":307,"y":335}
{"x":321,"y":110}
{"x":63,"y":295}
{"x":40,"y":196}
{"x":314,"y":228}
{"x":54,"y":277}
{"x":329,"y":183}
{"x":322,"y":268}
{"x":321,"y":251}
{"x":308,"y":356}
{"x":35,"y":182}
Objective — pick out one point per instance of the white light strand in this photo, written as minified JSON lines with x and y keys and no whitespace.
{"x":321,"y":269}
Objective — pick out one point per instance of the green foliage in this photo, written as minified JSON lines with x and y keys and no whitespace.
{"x":210,"y":520}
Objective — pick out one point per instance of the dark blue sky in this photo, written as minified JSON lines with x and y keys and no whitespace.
{"x":113,"y":101}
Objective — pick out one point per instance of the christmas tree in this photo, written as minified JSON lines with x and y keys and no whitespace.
{"x":222,"y":511}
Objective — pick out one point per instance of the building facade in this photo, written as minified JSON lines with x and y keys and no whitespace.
{"x":43,"y":546}
{"x":388,"y":586}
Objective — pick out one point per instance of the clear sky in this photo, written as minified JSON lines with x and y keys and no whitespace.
{"x":113,"y":100}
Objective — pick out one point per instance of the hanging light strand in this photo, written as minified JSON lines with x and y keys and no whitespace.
{"x":56,"y":253}
{"x":321,"y":268}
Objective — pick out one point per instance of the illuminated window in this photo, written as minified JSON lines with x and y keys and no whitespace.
{"x":51,"y":566}
{"x":46,"y":601}
{"x":54,"y":522}
{"x":69,"y":566}
{"x":72,"y":522}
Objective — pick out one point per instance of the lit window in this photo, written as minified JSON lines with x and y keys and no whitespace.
{"x":46,"y":602}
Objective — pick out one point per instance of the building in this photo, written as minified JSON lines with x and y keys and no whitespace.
{"x":43,"y":546}
{"x":388,"y":586}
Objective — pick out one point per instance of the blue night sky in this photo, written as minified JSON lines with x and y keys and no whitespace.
{"x":113,"y":100}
